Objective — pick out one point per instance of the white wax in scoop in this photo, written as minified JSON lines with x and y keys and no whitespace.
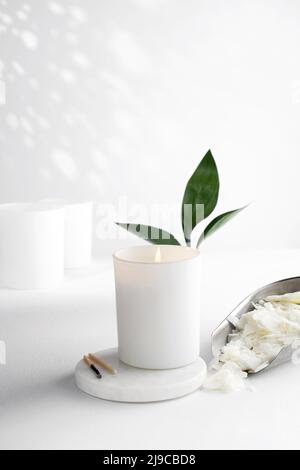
{"x":258,"y":338}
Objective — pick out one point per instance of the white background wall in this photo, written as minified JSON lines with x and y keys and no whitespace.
{"x":111,"y":98}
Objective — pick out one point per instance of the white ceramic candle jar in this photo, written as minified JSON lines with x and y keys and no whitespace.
{"x":31,"y":245}
{"x":158,"y":305}
{"x":78,"y":233}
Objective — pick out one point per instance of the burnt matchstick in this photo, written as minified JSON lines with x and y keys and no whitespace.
{"x":92,"y":366}
{"x":102,"y":363}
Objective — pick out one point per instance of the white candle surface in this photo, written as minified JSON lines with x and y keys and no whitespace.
{"x":78,"y":231}
{"x":158,"y":305}
{"x":31,"y":245}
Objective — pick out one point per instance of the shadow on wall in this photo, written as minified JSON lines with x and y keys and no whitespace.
{"x":75,"y":82}
{"x":112,"y":98}
{"x":73,"y":78}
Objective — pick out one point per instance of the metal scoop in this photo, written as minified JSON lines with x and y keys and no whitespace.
{"x":220,"y":334}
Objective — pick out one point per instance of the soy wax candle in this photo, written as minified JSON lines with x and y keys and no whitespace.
{"x":158,"y":305}
{"x":78,"y":217}
{"x":31,"y":245}
{"x":78,"y":233}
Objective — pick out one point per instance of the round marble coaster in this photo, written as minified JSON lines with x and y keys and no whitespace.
{"x":131,"y":384}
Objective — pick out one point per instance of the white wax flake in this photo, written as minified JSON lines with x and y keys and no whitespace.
{"x":228,"y":379}
{"x":293,"y":298}
{"x":260,"y":335}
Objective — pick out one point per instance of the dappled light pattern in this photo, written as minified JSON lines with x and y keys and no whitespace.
{"x":29,"y":39}
{"x":75,"y":77}
{"x":65,"y":163}
{"x":110,"y":98}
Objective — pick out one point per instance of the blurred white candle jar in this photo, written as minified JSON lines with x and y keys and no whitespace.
{"x":78,"y":233}
{"x":31,"y":245}
{"x":158,"y":305}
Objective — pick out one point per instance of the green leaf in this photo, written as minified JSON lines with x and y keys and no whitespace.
{"x":202,"y":188}
{"x":218,"y":222}
{"x":154,"y":235}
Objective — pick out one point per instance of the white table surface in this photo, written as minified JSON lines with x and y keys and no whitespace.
{"x":46,"y":333}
